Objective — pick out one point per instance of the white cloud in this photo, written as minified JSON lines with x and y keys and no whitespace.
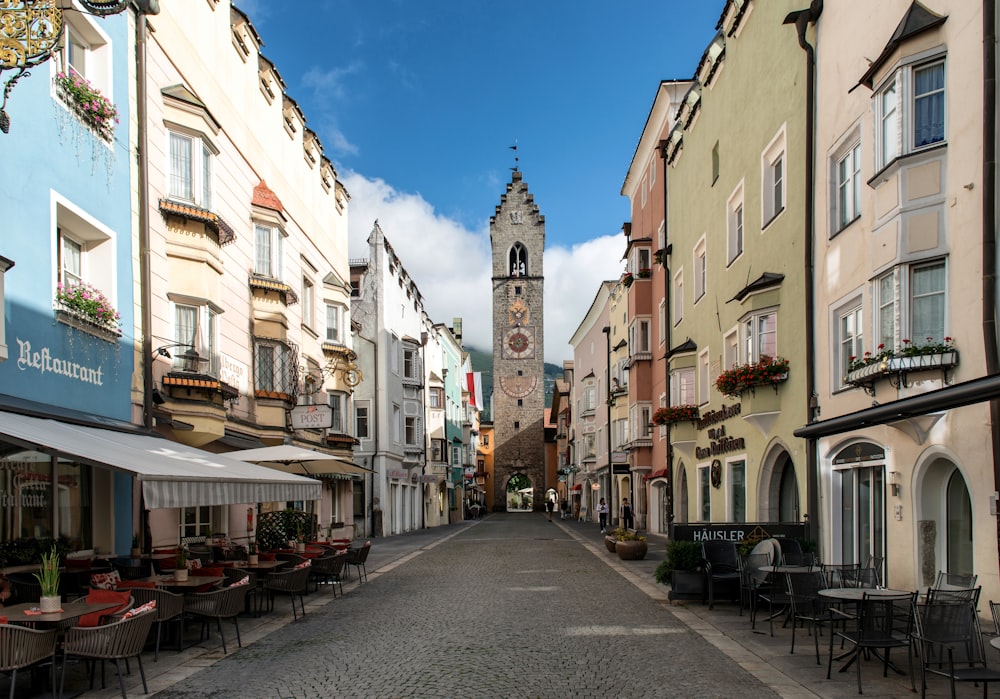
{"x":451,"y":264}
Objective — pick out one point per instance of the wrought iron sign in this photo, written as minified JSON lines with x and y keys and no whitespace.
{"x":30,"y":31}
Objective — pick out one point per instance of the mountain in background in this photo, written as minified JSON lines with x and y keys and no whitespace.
{"x":483,"y":362}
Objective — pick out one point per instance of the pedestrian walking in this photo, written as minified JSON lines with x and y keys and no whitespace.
{"x":602,"y":515}
{"x":564,"y":509}
{"x":549,"y":506}
{"x":628,"y":521}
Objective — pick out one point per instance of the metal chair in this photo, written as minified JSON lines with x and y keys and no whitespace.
{"x":954,"y":581}
{"x":329,"y":570}
{"x":884,"y":622}
{"x":841,"y":574}
{"x":26,"y":587}
{"x":808,"y":606}
{"x":132,"y":568}
{"x":357,"y":556}
{"x":226,"y":603}
{"x":169,"y":608}
{"x":21,"y":647}
{"x":117,"y":641}
{"x":950,"y":644}
{"x":291,"y":582}
{"x":722,"y":567}
{"x":954,"y":595}
{"x":792,"y":553}
{"x":752,"y":581}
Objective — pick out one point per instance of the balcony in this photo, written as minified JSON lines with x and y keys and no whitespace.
{"x":897,"y":369}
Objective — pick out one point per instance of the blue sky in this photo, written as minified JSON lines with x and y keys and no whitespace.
{"x":417,"y":101}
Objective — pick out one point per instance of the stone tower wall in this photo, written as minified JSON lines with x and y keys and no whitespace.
{"x":518,"y":343}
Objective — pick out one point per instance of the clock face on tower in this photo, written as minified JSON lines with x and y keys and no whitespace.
{"x":518,"y":386}
{"x":519,"y":343}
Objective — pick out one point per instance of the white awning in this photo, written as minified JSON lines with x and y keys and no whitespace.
{"x":172,"y":474}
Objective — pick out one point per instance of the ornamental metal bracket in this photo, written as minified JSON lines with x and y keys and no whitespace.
{"x":30,"y":31}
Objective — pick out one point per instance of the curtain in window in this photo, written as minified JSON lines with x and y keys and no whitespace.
{"x":180,"y":167}
{"x":889,"y":99}
{"x":886,"y":312}
{"x":927,"y":311}
{"x":928,"y":108}
{"x":185,"y":325}
{"x":71,"y":262}
{"x":206,"y":177}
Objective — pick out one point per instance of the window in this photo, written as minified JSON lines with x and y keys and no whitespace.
{"x":682,"y":387}
{"x":410,"y":363}
{"x":704,"y":494}
{"x":773,"y":178}
{"x":639,"y":336}
{"x":734,"y":238}
{"x":850,"y":339}
{"x":704,"y":385}
{"x":336,"y":402}
{"x":911,"y":302}
{"x":678,"y":297}
{"x":661,"y":322}
{"x":196,"y":522}
{"x":436,"y":397}
{"x":642,"y":192}
{"x":196,"y":327}
{"x":486,"y":440}
{"x":661,"y":239}
{"x":267,"y":251}
{"x":84,"y":250}
{"x":640,"y":421}
{"x":909,"y":111}
{"x":715,"y":162}
{"x":332,"y":323}
{"x":652,"y":173}
{"x":394,"y":354}
{"x":731,"y":349}
{"x":737,"y":491}
{"x":589,"y":449}
{"x":760,"y":335}
{"x":642,"y":262}
{"x":190,"y":169}
{"x":619,"y":433}
{"x":590,"y":398}
{"x":308,"y":301}
{"x":361,"y":424}
{"x":71,"y":261}
{"x":86,"y":51}
{"x":410,"y":424}
{"x":700,"y":270}
{"x":848,"y":179}
{"x":276,"y":366}
{"x":518,"y":260}
{"x":456,"y":455}
{"x":396,"y":426}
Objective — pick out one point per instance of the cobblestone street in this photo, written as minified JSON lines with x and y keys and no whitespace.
{"x":511,"y":606}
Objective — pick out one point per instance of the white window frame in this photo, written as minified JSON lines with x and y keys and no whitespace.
{"x":849,"y":341}
{"x":397,"y":424}
{"x":895,"y":109}
{"x":704,"y":485}
{"x":735,"y":225}
{"x":337,"y":402}
{"x":661,"y":238}
{"x":89,"y":40}
{"x":411,"y":363}
{"x":894,"y":304}
{"x":202,"y":334}
{"x":731,"y":349}
{"x":731,"y":464}
{"x":334,"y":313}
{"x":196,"y":173}
{"x":682,"y":387}
{"x":758,"y":339}
{"x":661,"y":322}
{"x":362,"y":418}
{"x":773,"y":178}
{"x":270,"y":262}
{"x":704,"y":380}
{"x":308,"y":302}
{"x":639,"y":336}
{"x":700,"y":261}
{"x":411,"y":430}
{"x":845,"y":176}
{"x":394,"y":354}
{"x":96,"y":243}
{"x":678,"y":297}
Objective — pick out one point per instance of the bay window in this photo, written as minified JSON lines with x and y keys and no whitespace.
{"x":909,"y":110}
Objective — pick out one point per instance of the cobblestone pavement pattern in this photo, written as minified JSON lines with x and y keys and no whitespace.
{"x":510,"y":607}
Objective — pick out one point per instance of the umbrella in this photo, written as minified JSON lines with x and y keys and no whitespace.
{"x":292,"y":459}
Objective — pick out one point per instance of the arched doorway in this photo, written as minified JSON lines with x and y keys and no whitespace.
{"x":779,"y":489}
{"x":945,"y":521}
{"x":520,"y":494}
{"x":681,"y":495}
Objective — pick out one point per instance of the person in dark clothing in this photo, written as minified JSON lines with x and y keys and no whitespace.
{"x":549,"y":506}
{"x":628,"y":521}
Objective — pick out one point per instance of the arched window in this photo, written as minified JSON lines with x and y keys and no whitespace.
{"x":959,"y":536}
{"x":518,"y":260}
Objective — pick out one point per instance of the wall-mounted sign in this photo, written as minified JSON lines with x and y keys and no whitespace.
{"x":43,"y":362}
{"x":619,"y":457}
{"x":234,"y":373}
{"x":311,"y":417}
{"x":397,"y":473}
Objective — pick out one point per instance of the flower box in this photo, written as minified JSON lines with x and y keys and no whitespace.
{"x":901,"y":365}
{"x":769,"y":371}
{"x":762,"y":400}
{"x":683,"y":432}
{"x":671,"y":414}
{"x":92,"y":108}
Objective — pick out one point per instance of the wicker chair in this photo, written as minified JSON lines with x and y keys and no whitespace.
{"x":357,"y":556}
{"x":292,"y":559}
{"x":291,"y":582}
{"x":169,"y":608}
{"x":21,"y":647}
{"x":234,"y":575}
{"x":132,"y":568}
{"x":25,"y":586}
{"x":329,"y":569}
{"x":226,"y":603}
{"x":117,"y":641}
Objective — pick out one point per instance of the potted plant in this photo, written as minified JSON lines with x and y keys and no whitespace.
{"x":300,"y":540}
{"x":682,"y":569}
{"x":252,"y":556}
{"x":630,"y":545}
{"x":181,"y":571}
{"x":610,"y":541}
{"x":48,"y":578}
{"x":769,"y":371}
{"x":136,"y":551}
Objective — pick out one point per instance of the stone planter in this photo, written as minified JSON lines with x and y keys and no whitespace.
{"x":180,"y":574}
{"x":609,"y":543}
{"x":631,"y":550}
{"x":687,"y":585}
{"x":51,"y":603}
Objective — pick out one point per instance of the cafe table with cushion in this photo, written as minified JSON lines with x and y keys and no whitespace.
{"x":22,"y":614}
{"x":192,"y":584}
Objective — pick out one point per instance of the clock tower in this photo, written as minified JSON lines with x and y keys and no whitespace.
{"x":517,"y":234}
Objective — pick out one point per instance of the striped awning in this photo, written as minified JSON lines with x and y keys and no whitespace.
{"x":171,"y":474}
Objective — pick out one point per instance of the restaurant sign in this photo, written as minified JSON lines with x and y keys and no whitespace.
{"x":738,"y":532}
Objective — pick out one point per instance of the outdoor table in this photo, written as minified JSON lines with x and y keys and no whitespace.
{"x":854,"y":595}
{"x":16,"y":614}
{"x":193,"y":582}
{"x":995,"y":642}
{"x":262,"y":566}
{"x":792,"y":569}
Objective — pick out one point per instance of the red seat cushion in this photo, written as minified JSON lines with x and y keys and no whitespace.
{"x":211,"y":572}
{"x":96,"y":596}
{"x":136,"y":583}
{"x":267,"y":556}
